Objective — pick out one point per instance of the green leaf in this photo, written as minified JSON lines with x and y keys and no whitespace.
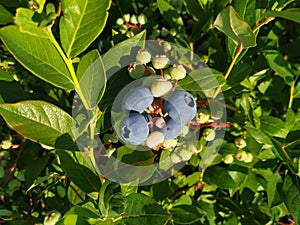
{"x":141,"y":209}
{"x":279,"y":65}
{"x":37,"y":54}
{"x":231,"y":24}
{"x":92,"y":77}
{"x":82,"y":23}
{"x":273,"y":126}
{"x":290,"y":195}
{"x":38,"y":121}
{"x":82,"y":176}
{"x":168,"y":12}
{"x":5,"y":16}
{"x":186,"y":214}
{"x":218,"y":176}
{"x":258,"y":135}
{"x":292,"y":14}
{"x":246,"y":9}
{"x":9,"y":96}
{"x":202,"y":79}
{"x":297,"y":91}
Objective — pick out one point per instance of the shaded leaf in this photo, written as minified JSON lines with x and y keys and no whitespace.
{"x":38,"y":121}
{"x":5,"y":16}
{"x":291,"y":196}
{"x":82,"y":23}
{"x":292,"y":14}
{"x":218,"y":176}
{"x":186,"y":214}
{"x":37,"y":54}
{"x":279,"y":65}
{"x":238,"y":30}
{"x":142,"y":209}
{"x":82,"y":176}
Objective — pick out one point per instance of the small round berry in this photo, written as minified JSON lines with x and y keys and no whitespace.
{"x":120,"y":21}
{"x":52,"y":218}
{"x":133,"y":19}
{"x":241,"y":155}
{"x":175,"y":158}
{"x":123,"y":29}
{"x":181,"y":105}
{"x":202,"y":115}
{"x":164,"y":32}
{"x":160,"y":61}
{"x":129,"y":34}
{"x":161,"y":87}
{"x":209,"y":134}
{"x":143,"y":56}
{"x":185,"y":154}
{"x":138,"y":99}
{"x":134,"y":128}
{"x":177,"y":72}
{"x":185,"y":131}
{"x":172,"y":129}
{"x":170,"y":143}
{"x":142,"y":19}
{"x":173,"y":32}
{"x":167,"y":74}
{"x":136,"y":70}
{"x":154,"y":139}
{"x":160,"y":122}
{"x":126,"y":17}
{"x":249,"y":158}
{"x":167,"y":46}
{"x":228,"y":159}
{"x":240,"y":142}
{"x":6,"y":144}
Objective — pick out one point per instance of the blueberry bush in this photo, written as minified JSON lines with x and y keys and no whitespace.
{"x":149,"y":112}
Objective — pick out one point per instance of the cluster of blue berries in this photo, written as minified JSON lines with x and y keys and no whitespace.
{"x":142,"y":125}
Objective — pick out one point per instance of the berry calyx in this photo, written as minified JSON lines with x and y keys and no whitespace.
{"x":202,"y":115}
{"x":241,"y":155}
{"x":240,"y":142}
{"x":209,"y":134}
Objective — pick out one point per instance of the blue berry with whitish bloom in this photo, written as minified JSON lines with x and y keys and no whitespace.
{"x":138,"y":99}
{"x":181,"y":105}
{"x":134,"y":128}
{"x":172,"y":129}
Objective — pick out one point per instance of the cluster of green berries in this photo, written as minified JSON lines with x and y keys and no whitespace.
{"x":241,"y":154}
{"x":159,"y":62}
{"x":130,"y":24}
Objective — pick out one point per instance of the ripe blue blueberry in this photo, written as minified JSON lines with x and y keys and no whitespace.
{"x":134,"y":128}
{"x":181,"y":106}
{"x":138,"y":99}
{"x":172,"y":129}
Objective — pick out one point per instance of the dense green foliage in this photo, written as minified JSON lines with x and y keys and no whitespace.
{"x":252,"y":48}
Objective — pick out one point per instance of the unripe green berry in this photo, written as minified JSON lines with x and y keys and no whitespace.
{"x":240,"y":142}
{"x":177,"y":72}
{"x":173,"y":32}
{"x":164,"y":32}
{"x":160,"y":122}
{"x":241,"y":155}
{"x":160,"y":61}
{"x":175,"y":158}
{"x":52,"y":218}
{"x":136,"y":70}
{"x":185,"y":131}
{"x":248,"y":158}
{"x":143,"y":56}
{"x":123,"y":29}
{"x":167,"y":74}
{"x":126,"y":17}
{"x":142,"y":19}
{"x":170,"y":143}
{"x":202,"y":115}
{"x":209,"y":134}
{"x":129,"y":34}
{"x":228,"y":159}
{"x":120,"y":21}
{"x":133,"y":19}
{"x":185,"y":154}
{"x":167,"y":46}
{"x":6,"y":144}
{"x":161,"y":87}
{"x":154,"y":139}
